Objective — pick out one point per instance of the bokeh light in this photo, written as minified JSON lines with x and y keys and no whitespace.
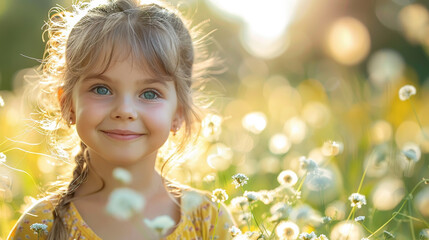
{"x":348,"y":41}
{"x":388,"y":193}
{"x":255,"y":122}
{"x":279,"y":144}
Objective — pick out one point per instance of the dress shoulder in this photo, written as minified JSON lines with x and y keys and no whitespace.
{"x":40,"y":212}
{"x":208,"y":216}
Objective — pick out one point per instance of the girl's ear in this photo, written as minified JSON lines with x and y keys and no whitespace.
{"x":177,"y":120}
{"x":68,"y":114}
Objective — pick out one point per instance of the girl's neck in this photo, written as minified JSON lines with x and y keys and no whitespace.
{"x":145,"y":179}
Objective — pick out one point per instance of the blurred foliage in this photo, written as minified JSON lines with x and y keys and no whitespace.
{"x":335,"y":77}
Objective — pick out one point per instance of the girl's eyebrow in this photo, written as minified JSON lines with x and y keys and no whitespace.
{"x":143,"y":80}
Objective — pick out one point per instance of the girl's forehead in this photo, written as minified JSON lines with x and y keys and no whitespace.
{"x":123,"y":55}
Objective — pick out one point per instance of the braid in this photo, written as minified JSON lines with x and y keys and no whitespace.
{"x":80,"y":172}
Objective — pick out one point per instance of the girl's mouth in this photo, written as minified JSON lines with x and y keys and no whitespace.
{"x":122,"y":134}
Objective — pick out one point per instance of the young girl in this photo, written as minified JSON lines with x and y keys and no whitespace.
{"x":120,"y":73}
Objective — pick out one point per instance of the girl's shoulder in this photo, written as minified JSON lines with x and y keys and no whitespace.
{"x":40,"y":213}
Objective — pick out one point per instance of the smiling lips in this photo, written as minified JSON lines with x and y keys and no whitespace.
{"x":122,"y":134}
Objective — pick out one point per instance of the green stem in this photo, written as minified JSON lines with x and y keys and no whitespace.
{"x":400,"y":209}
{"x":418,"y":120}
{"x":415,"y":219}
{"x":274,"y":230}
{"x":365,"y":228}
{"x":351,"y":212}
{"x":411,"y":221}
{"x":217,"y":217}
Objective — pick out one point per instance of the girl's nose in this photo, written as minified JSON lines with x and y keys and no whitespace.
{"x":124,"y":109}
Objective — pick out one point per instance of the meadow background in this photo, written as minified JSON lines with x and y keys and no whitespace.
{"x":311,"y":78}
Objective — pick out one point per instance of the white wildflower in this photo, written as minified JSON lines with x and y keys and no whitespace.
{"x":307,"y":236}
{"x":244,"y":217}
{"x":287,"y":230}
{"x":287,"y":177}
{"x":239,"y":203}
{"x":357,"y":200}
{"x":424,"y":234}
{"x":360,"y":218}
{"x":322,"y":237}
{"x":280,"y":211}
{"x":124,"y":203}
{"x":266,"y":197}
{"x":239,"y":180}
{"x":234,"y":231}
{"x":160,"y":224}
{"x":219,"y":195}
{"x":191,"y":200}
{"x":406,"y":92}
{"x":364,"y":239}
{"x":122,"y":175}
{"x":2,"y":157}
{"x":251,"y":196}
{"x":39,"y":228}
{"x":308,"y":164}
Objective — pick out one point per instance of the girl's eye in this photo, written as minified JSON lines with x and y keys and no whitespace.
{"x":150,"y":95}
{"x":101,"y":90}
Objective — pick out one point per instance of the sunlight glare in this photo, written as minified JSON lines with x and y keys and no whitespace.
{"x":263,"y":33}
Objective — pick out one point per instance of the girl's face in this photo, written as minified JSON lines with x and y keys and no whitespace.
{"x":124,"y":115}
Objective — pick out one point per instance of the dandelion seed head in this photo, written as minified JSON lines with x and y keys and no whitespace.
{"x":287,"y":177}
{"x":331,"y":148}
{"x":160,"y":224}
{"x":211,"y":127}
{"x":219,"y":195}
{"x":265,"y":196}
{"x":251,"y":196}
{"x":123,"y":203}
{"x":287,"y":230}
{"x":406,"y":92}
{"x":280,"y":211}
{"x":239,"y":180}
{"x":307,"y":164}
{"x":122,"y":175}
{"x":234,"y":231}
{"x":357,"y":200}
{"x":239,"y":203}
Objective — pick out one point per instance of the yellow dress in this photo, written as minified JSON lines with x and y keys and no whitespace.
{"x":197,"y":224}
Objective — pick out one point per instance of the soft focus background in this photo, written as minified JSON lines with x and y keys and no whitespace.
{"x":299,"y":73}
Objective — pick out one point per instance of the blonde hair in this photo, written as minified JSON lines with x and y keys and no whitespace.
{"x":158,"y":38}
